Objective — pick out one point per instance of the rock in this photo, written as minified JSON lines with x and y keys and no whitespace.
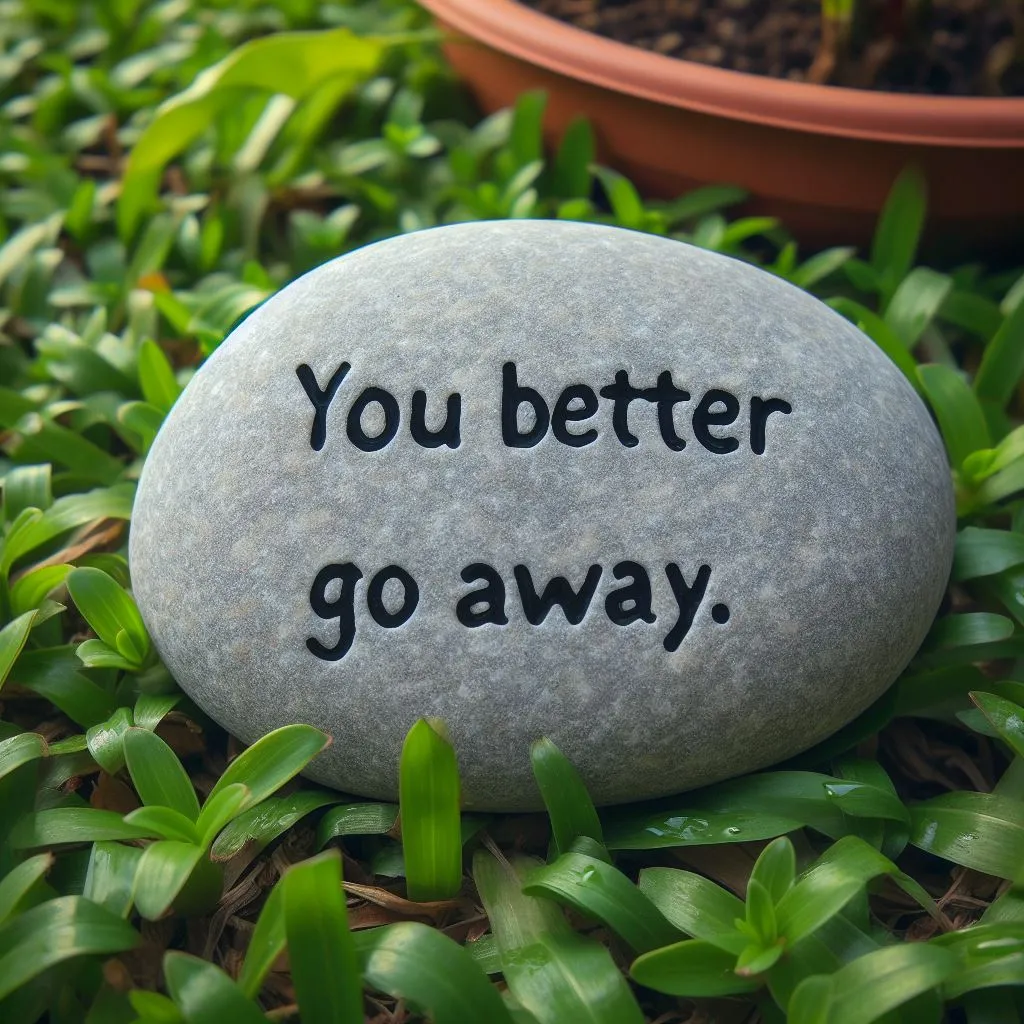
{"x":543,"y":478}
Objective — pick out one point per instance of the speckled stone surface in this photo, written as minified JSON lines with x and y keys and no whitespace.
{"x":828,"y":552}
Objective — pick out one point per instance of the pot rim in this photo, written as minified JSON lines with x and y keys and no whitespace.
{"x":520,"y":31}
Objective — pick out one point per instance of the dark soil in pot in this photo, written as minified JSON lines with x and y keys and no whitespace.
{"x":961,"y":48}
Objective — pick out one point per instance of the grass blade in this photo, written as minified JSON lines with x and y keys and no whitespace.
{"x":565,"y":796}
{"x":13,"y":638}
{"x":164,"y":868}
{"x":205,"y":994}
{"x":271,"y":761}
{"x":110,"y":878}
{"x":595,"y":888}
{"x":362,"y":819}
{"x":872,"y":985}
{"x":983,"y":831}
{"x":158,"y":775}
{"x":73,"y":825}
{"x":428,"y":788}
{"x":260,"y":825}
{"x":554,"y":973}
{"x":430,"y":973}
{"x":960,"y":416}
{"x":1002,"y":363}
{"x":21,"y":749}
{"x":55,"y":931}
{"x":266,"y":944}
{"x":18,"y":882}
{"x":322,"y":953}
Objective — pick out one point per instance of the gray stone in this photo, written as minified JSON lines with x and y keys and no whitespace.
{"x":828,"y":552}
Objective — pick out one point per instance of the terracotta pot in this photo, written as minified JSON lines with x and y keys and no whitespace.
{"x":819,"y":157}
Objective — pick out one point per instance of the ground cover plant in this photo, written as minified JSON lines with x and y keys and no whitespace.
{"x":150,"y":870}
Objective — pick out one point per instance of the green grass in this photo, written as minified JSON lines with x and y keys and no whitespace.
{"x":150,"y":871}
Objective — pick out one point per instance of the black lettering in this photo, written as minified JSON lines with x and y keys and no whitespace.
{"x":492,"y":597}
{"x":321,"y":399}
{"x":343,"y":608}
{"x":375,"y":597}
{"x":563,"y":415}
{"x":667,"y":395}
{"x":355,"y":431}
{"x":513,"y":396}
{"x":448,"y":434}
{"x":688,"y":598}
{"x":704,"y":418}
{"x":558,"y":591}
{"x":636,"y":594}
{"x":760,"y":410}
{"x":622,"y":393}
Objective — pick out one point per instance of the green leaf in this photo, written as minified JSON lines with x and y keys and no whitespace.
{"x":760,"y":806}
{"x":760,"y":914}
{"x":106,"y":741}
{"x":625,"y":201}
{"x":44,"y":439}
{"x":288,"y":63}
{"x":695,"y":905}
{"x":29,"y":591}
{"x":983,"y":831}
{"x":205,"y":994}
{"x":960,"y":417}
{"x":836,"y":877}
{"x":982,"y":552}
{"x":156,"y":376}
{"x":990,"y":955}
{"x":272,"y":760}
{"x":1002,"y":362}
{"x":361,"y":819}
{"x":73,"y":825}
{"x":775,"y":868}
{"x":164,"y":868}
{"x":107,"y":608}
{"x":65,"y":514}
{"x":428,"y":784}
{"x":429,"y":973}
{"x":601,"y":891}
{"x":57,"y":930}
{"x":158,"y":775}
{"x":969,"y":629}
{"x":820,"y":266}
{"x":872,"y":985}
{"x":916,"y":302}
{"x":18,"y":882}
{"x":110,"y":878}
{"x":21,"y":749}
{"x":26,"y":487}
{"x":266,"y":944}
{"x":151,"y":708}
{"x":526,"y":140}
{"x":321,"y":950}
{"x":166,"y":823}
{"x":1005,"y":716}
{"x":13,"y":638}
{"x":260,"y":825}
{"x":142,"y":419}
{"x":221,"y":807}
{"x":554,"y":973}
{"x":575,"y":154}
{"x":565,"y":796}
{"x":899,"y":230}
{"x":692,"y":968}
